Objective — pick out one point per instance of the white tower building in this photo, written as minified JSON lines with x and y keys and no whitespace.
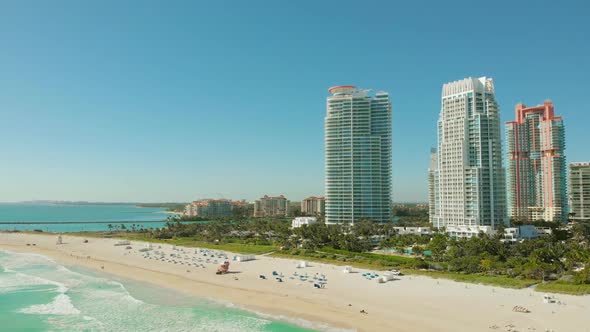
{"x":468,"y":180}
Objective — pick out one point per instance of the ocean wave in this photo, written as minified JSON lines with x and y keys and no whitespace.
{"x":92,"y":302}
{"x":27,"y":268}
{"x":61,"y":305}
{"x":13,"y":260}
{"x":13,"y":281}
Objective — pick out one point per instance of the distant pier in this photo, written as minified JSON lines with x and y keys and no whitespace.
{"x":83,"y":222}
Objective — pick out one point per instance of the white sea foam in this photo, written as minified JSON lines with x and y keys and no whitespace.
{"x":102,"y":304}
{"x":15,"y":260}
{"x":17,"y":280}
{"x":61,"y":305}
{"x":20,"y":263}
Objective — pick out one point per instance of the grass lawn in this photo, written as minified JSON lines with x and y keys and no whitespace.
{"x":370,"y":256}
{"x":329,"y":255}
{"x":239,"y":248}
{"x":500,"y":281}
{"x":186,"y":242}
{"x":386,"y":262}
{"x":367,"y":261}
{"x":360,"y":265}
{"x":563,"y":287}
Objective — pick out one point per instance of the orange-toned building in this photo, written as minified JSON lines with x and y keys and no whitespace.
{"x":271,"y":207}
{"x":210,"y":208}
{"x":536,"y":164}
{"x":313,"y":206}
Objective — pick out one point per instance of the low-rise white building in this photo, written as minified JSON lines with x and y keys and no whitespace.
{"x":525,"y":232}
{"x":513,"y":234}
{"x":300,"y":221}
{"x":468,"y":231}
{"x":544,"y":230}
{"x":413,"y":230}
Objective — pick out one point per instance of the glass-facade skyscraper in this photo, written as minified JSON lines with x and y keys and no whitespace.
{"x":358,"y":156}
{"x":537,"y":184}
{"x":467,"y":180}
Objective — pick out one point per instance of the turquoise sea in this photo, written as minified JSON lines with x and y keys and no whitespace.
{"x":38,"y":294}
{"x":51,"y":217}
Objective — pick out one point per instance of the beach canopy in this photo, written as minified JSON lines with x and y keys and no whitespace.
{"x":302,"y":264}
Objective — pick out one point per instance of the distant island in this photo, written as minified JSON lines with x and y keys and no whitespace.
{"x":75,"y":202}
{"x":173,"y":207}
{"x":169,"y":206}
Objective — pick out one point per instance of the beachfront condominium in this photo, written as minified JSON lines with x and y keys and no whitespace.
{"x":467,"y":180}
{"x":313,"y":206}
{"x":209,"y":208}
{"x":432,"y":184}
{"x":580,"y":191}
{"x":537,"y":185}
{"x":268,"y":206}
{"x":358,"y":156}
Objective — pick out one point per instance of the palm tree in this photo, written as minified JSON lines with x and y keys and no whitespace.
{"x":571,"y":216}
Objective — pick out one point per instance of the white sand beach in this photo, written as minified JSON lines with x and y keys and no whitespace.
{"x":410,"y":303}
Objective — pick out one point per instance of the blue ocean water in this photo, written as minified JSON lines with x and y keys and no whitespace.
{"x":77,"y":217}
{"x":38,"y":294}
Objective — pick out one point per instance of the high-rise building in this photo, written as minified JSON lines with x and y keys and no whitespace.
{"x":468,"y":179}
{"x":189,"y":210}
{"x":358,"y":156}
{"x":432,"y":185}
{"x":537,"y":185}
{"x":209,"y":208}
{"x":271,"y":207}
{"x":313,"y":206}
{"x":580,"y":191}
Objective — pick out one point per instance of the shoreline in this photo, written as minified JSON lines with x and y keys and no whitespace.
{"x":152,"y":277}
{"x":169,"y":212}
{"x":412,"y":303}
{"x":129,"y":282}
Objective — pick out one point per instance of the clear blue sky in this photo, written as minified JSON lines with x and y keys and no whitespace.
{"x":176,"y":100}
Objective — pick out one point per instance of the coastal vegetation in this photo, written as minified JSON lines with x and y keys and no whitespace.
{"x":411,"y":214}
{"x":172,"y":207}
{"x":564,"y":288}
{"x":559,"y":262}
